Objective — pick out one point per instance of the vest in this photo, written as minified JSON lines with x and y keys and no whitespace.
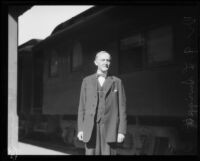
{"x":100,"y":102}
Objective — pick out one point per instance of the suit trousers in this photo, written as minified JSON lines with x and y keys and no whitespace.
{"x":97,"y":144}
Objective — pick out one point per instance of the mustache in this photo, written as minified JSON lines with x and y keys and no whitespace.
{"x":106,"y":65}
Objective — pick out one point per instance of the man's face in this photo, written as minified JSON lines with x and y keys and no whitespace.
{"x":102,"y":61}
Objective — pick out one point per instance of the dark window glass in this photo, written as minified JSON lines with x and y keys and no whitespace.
{"x":159,"y":45}
{"x":131,"y":53}
{"x":76,"y":56}
{"x":53,"y":65}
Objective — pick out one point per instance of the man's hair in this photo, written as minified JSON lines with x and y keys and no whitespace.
{"x":102,"y":51}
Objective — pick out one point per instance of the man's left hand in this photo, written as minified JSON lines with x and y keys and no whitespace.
{"x":120,"y":138}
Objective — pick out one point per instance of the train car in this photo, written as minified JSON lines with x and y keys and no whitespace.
{"x":148,"y":47}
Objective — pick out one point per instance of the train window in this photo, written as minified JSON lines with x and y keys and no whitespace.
{"x":131,"y":53}
{"x":53,"y":64}
{"x":76,"y":56}
{"x":159,"y":45}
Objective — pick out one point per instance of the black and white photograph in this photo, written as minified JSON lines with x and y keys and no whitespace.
{"x":103,"y":80}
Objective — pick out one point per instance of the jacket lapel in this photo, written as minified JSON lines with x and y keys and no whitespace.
{"x":108,"y":84}
{"x":94,"y":82}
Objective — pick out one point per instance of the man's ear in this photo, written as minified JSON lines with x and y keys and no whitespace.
{"x":95,"y":62}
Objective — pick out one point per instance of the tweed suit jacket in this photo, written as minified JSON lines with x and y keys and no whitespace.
{"x":114,"y":118}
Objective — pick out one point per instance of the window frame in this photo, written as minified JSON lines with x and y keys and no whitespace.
{"x":144,"y":33}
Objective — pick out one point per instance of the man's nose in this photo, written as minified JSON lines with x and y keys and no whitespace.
{"x":106,"y":61}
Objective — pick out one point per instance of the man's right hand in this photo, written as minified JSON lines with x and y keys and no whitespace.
{"x":80,"y":135}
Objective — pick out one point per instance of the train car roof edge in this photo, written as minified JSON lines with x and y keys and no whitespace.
{"x":53,"y":37}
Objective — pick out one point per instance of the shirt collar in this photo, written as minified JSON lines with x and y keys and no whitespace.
{"x":101,"y":74}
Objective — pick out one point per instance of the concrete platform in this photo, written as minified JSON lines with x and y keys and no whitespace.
{"x":27,"y":149}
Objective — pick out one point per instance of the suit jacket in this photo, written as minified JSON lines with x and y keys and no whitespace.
{"x":114,"y":118}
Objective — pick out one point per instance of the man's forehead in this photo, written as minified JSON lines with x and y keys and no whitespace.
{"x":103,"y":55}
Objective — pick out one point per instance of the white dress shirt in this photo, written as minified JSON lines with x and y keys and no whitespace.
{"x":101,"y":79}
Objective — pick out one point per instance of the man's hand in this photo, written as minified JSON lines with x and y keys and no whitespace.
{"x":120,"y":138}
{"x":80,"y":135}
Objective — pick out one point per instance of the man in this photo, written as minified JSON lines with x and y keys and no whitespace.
{"x":102,"y":110}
